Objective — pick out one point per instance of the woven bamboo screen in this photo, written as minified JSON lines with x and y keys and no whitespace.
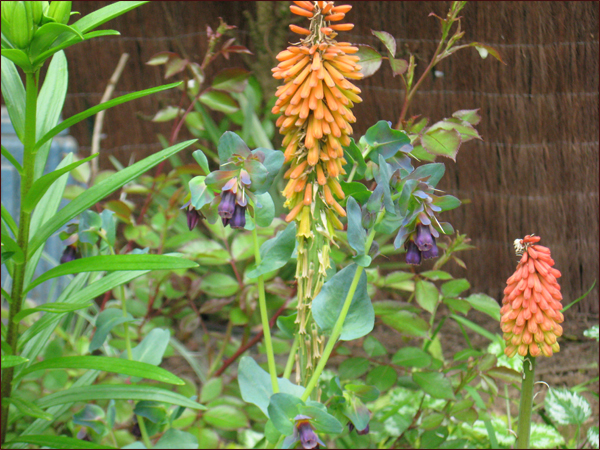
{"x":536,"y":170}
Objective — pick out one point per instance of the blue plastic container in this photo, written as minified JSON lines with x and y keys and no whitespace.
{"x":11,"y":197}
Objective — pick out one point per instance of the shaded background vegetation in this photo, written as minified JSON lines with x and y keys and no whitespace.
{"x":536,"y":170}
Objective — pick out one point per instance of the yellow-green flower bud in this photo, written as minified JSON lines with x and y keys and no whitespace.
{"x":18,"y":16}
{"x":59,"y":11}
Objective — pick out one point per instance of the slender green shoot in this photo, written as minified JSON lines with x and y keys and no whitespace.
{"x":524,"y":427}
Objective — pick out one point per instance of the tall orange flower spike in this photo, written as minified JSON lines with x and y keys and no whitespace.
{"x":315,"y":102}
{"x":531,"y":305}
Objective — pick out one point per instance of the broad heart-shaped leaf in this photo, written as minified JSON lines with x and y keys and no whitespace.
{"x":282,"y":410}
{"x":255,"y":384}
{"x":266,"y":213}
{"x":357,"y":412}
{"x":399,"y":66}
{"x":200,"y":195}
{"x":434,"y":384}
{"x":231,"y":144}
{"x":565,"y":407}
{"x":427,"y":295}
{"x":388,"y":40}
{"x":272,"y":163}
{"x":114,"y":365}
{"x":105,"y":322}
{"x":442,"y":142}
{"x":435,"y":172}
{"x":153,"y":411}
{"x":485,"y":304}
{"x":386,"y":141}
{"x":446,"y":202}
{"x":383,"y":175}
{"x":114,"y":262}
{"x":41,"y":185}
{"x":258,"y":174}
{"x":58,"y":442}
{"x":97,"y":192}
{"x":177,"y":439}
{"x":152,"y":348}
{"x":353,"y":156}
{"x":356,"y":233}
{"x":357,"y":190}
{"x":117,"y":392}
{"x":326,"y":306}
{"x":453,"y":288}
{"x":90,"y":416}
{"x":276,"y":252}
{"x":321,"y":420}
{"x":219,"y":101}
{"x":13,"y":94}
{"x":370,"y":60}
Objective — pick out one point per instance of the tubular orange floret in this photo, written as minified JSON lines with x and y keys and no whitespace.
{"x":335,"y":17}
{"x":300,"y":11}
{"x":341,"y":9}
{"x":342,"y":27}
{"x":299,"y":30}
{"x":531,"y":307}
{"x":306,"y":5}
{"x":326,"y":31}
{"x":328,"y":7}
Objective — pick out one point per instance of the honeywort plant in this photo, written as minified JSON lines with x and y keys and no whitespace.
{"x":33,"y":32}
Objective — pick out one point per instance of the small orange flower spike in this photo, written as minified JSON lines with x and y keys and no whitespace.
{"x":531,"y":305}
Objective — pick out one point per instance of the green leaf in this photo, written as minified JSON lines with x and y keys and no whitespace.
{"x":55,"y":308}
{"x":90,"y":416}
{"x":59,"y":442}
{"x":432,"y":172}
{"x":176,"y":439}
{"x":19,"y":57}
{"x":152,"y":348}
{"x":382,"y":377}
{"x":12,"y":159}
{"x":473,"y":326}
{"x":153,"y":411}
{"x":231,"y":144}
{"x":434,"y":384}
{"x":276,"y":252}
{"x":10,"y":222}
{"x":103,"y":15}
{"x":468,"y":115}
{"x":9,"y":245}
{"x":407,"y":323}
{"x":436,"y":275}
{"x":105,"y":322}
{"x":231,"y":80}
{"x":202,"y":161}
{"x":427,"y":295}
{"x":442,"y":142}
{"x":114,"y":262}
{"x":564,"y":407}
{"x":327,"y":305}
{"x":11,"y":361}
{"x":592,"y":437}
{"x":370,"y":60}
{"x":465,"y":129}
{"x":28,"y":408}
{"x":399,"y":66}
{"x":117,"y":392}
{"x":485,"y":304}
{"x":388,"y":40}
{"x":454,"y":287}
{"x":219,"y":101}
{"x":97,"y":192}
{"x":321,"y":420}
{"x":272,"y":163}
{"x":219,"y":285}
{"x":446,"y":202}
{"x":383,"y":175}
{"x":41,"y":185}
{"x":373,"y":347}
{"x":412,"y":357}
{"x":485,"y":50}
{"x":167,"y":114}
{"x":106,"y":105}
{"x":13,"y":94}
{"x":211,"y":390}
{"x":357,"y":235}
{"x":357,"y":190}
{"x":386,"y":141}
{"x":226,"y":417}
{"x":265,"y":214}
{"x":47,"y":34}
{"x":353,"y":368}
{"x":255,"y":384}
{"x":282,"y":410}
{"x":353,"y":156}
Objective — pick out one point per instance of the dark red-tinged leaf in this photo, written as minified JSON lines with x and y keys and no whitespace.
{"x":370,"y":60}
{"x":388,"y":41}
{"x":484,"y":50}
{"x":468,"y":115}
{"x":161,"y":58}
{"x":175,"y":65}
{"x":399,"y":66}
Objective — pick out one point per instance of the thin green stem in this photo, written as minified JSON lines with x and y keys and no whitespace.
{"x":262,"y":303}
{"x":143,"y":431}
{"x":291,"y":359}
{"x":219,"y":356}
{"x":524,"y":427}
{"x":31,"y":84}
{"x":352,"y":173}
{"x":508,"y":415}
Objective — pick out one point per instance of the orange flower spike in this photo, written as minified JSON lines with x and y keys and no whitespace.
{"x":299,"y":30}
{"x":531,"y":307}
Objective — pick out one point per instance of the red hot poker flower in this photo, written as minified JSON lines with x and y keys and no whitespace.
{"x":531,"y":306}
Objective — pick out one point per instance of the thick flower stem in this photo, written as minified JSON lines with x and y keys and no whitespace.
{"x":525,"y":407}
{"x":262,"y":303}
{"x":31,"y":84}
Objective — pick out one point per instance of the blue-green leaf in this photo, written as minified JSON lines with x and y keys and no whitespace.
{"x":357,"y":235}
{"x":276,"y":252}
{"x":105,"y":322}
{"x":385,"y":141}
{"x":282,"y":410}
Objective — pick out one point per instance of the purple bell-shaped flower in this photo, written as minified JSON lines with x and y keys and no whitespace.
{"x":413,"y":255}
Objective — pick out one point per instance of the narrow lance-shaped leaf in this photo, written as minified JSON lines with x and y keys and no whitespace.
{"x":114,"y":262}
{"x":97,"y":192}
{"x":58,"y":442}
{"x":57,"y":308}
{"x":13,"y":94}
